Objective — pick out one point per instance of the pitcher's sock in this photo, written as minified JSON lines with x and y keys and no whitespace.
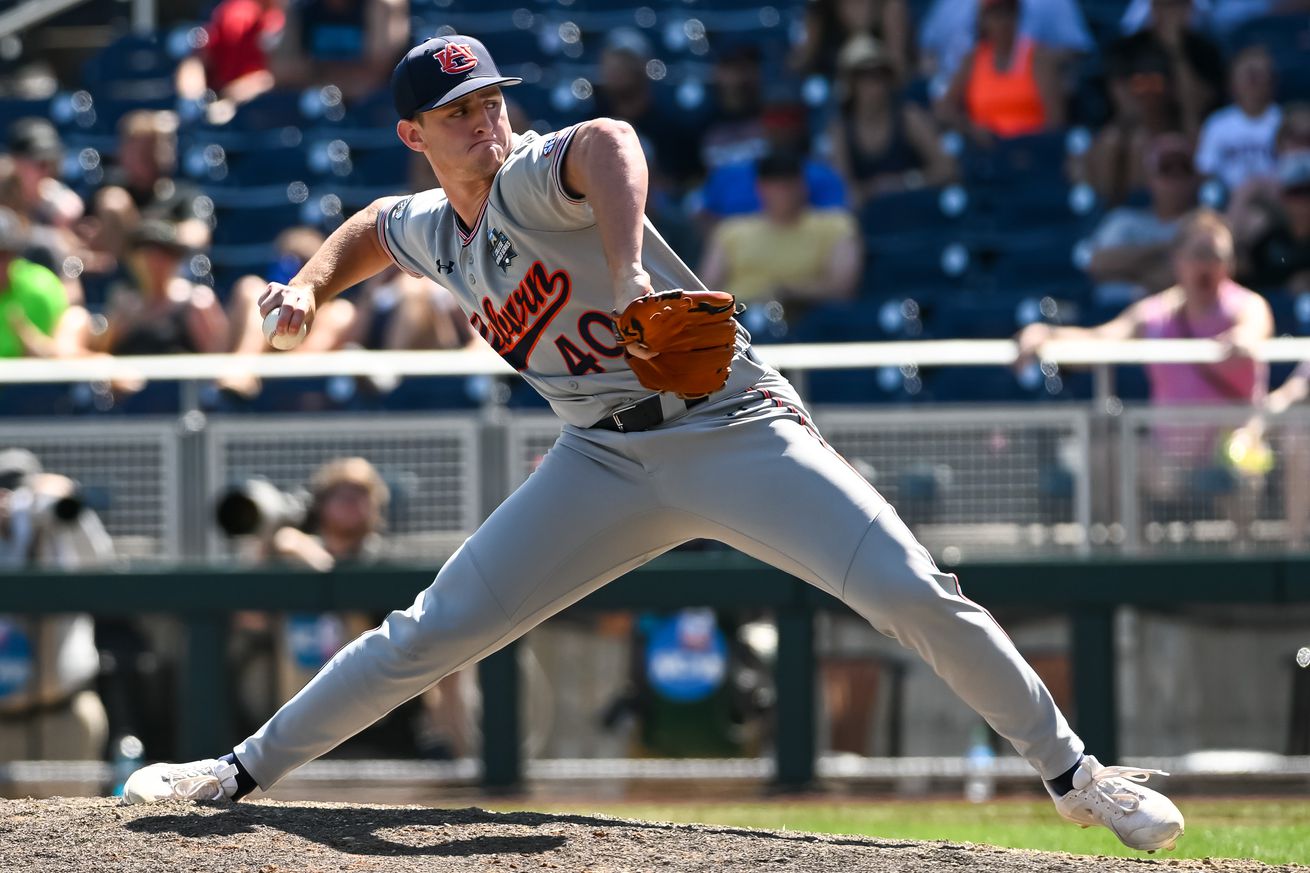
{"x":245,"y":782}
{"x":1063,"y":783}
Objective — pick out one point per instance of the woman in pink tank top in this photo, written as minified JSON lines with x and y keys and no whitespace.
{"x":1204,"y":304}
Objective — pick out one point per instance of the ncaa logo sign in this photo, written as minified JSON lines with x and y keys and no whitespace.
{"x":456,"y":57}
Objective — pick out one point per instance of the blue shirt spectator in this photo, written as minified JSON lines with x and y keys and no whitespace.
{"x":730,"y":189}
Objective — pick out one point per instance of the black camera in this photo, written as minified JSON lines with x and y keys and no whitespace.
{"x":55,"y":498}
{"x":257,"y":506}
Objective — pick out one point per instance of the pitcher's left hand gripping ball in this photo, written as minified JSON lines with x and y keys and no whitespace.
{"x":689,"y":336}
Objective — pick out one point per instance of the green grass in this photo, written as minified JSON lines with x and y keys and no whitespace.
{"x":1273,"y":831}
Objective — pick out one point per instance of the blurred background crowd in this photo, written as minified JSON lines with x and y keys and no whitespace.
{"x":852,"y":169}
{"x":856,"y":169}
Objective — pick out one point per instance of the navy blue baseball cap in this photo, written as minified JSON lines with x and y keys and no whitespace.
{"x":441,"y":70}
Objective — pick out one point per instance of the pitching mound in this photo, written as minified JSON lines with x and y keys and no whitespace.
{"x":99,"y":835}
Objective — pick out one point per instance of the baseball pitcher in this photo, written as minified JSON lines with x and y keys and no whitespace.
{"x":673,"y":430}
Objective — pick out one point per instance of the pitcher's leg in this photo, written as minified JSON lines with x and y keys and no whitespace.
{"x":777,"y":491}
{"x":535,"y":555}
{"x":452,"y":622}
{"x":894,"y":583}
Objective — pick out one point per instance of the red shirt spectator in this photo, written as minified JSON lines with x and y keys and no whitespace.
{"x":241,"y":34}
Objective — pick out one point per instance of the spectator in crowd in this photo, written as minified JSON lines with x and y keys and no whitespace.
{"x":830,"y":23}
{"x":1256,"y":206}
{"x":1169,"y":46}
{"x":951,"y":27}
{"x":1008,"y":85}
{"x":142,"y":184}
{"x":38,"y":152}
{"x":1130,"y":247}
{"x":49,"y":709}
{"x":791,"y":252}
{"x":32,"y":299}
{"x":734,"y":129}
{"x":403,"y":312}
{"x":1237,"y":142}
{"x":158,"y":311}
{"x":1205,"y":303}
{"x":49,"y":209}
{"x":1281,"y":257}
{"x":346,"y":517}
{"x":879,"y":142}
{"x":1144,"y":107}
{"x":624,"y":91}
{"x":730,"y":189}
{"x":352,"y":44}
{"x":294,"y":247}
{"x":1220,"y":16}
{"x":234,"y":60}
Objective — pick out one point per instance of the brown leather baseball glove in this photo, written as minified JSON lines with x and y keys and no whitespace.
{"x":689,"y":336}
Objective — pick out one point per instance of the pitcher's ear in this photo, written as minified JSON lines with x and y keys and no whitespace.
{"x":410,"y":134}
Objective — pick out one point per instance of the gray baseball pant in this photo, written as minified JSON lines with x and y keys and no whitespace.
{"x":749,"y":470}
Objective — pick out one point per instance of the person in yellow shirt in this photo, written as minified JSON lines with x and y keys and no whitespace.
{"x":789,"y":251}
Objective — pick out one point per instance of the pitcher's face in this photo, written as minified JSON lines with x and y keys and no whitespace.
{"x":465,"y":140}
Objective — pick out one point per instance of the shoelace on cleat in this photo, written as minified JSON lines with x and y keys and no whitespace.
{"x":1121,"y":795}
{"x":196,"y":783}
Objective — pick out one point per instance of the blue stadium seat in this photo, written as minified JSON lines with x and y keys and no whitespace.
{"x":882,"y":385}
{"x":1287,"y":37}
{"x":418,"y":393}
{"x":1130,"y":383}
{"x":374,"y":112}
{"x":273,"y":119}
{"x":240,"y":226}
{"x":156,"y":398}
{"x":1023,"y":161}
{"x":1287,"y":319}
{"x":271,"y":110}
{"x":978,"y":385}
{"x":902,"y":267}
{"x":260,"y":166}
{"x":380,"y":167}
{"x":37,"y":399}
{"x":856,"y":321}
{"x":904,"y":212}
{"x":972,"y":316}
{"x":133,"y":66}
{"x":1034,"y":262}
{"x":308,"y":394}
{"x":12,"y":109}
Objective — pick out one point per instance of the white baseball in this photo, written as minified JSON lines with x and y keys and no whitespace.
{"x":283,"y":341}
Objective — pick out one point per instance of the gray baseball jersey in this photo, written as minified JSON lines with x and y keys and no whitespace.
{"x":532,"y":278}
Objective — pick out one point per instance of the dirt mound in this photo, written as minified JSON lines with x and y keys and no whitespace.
{"x":100,"y":835}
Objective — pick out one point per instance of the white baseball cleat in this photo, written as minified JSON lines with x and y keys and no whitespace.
{"x":209,"y":779}
{"x":1115,"y":798}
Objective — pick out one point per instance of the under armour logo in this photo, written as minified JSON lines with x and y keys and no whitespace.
{"x":456,"y":57}
{"x":445,"y":266}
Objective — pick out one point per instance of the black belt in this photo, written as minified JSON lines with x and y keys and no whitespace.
{"x":642,"y":415}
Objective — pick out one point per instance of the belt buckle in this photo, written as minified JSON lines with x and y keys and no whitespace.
{"x":614,"y":416}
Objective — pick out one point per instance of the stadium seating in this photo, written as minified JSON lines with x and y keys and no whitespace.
{"x":958,"y":262}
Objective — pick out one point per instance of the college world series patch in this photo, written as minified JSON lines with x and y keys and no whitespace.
{"x":502,"y":250}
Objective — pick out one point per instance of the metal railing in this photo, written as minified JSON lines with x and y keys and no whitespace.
{"x":975,"y":481}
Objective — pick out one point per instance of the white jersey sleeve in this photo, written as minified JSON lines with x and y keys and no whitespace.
{"x":530,"y":186}
{"x":408,"y":231}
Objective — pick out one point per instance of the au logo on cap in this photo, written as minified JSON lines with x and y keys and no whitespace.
{"x":456,"y":58}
